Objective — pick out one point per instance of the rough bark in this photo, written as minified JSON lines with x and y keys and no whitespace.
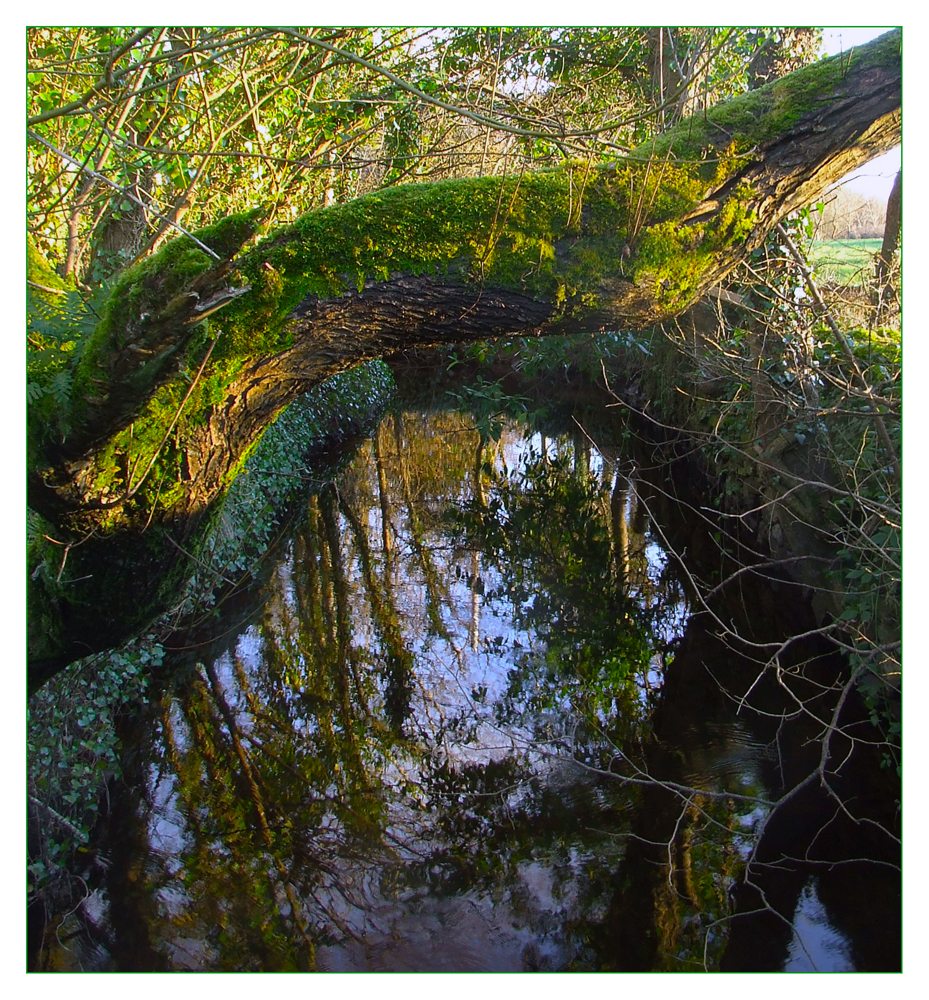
{"x":890,"y":242}
{"x":621,"y":245}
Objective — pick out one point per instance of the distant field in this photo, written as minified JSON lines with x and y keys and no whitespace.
{"x":844,"y":261}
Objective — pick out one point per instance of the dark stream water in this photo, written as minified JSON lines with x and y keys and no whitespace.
{"x":479,"y":721}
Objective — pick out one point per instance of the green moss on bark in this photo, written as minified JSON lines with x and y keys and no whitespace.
{"x":562,"y":235}
{"x":757,"y":117}
{"x":149,"y":288}
{"x":568,"y":236}
{"x":556,"y":234}
{"x":470,"y":230}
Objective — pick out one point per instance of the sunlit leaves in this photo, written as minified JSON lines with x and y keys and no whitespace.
{"x":235,"y":98}
{"x":216,"y":120}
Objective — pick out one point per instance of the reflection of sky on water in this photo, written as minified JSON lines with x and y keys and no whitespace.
{"x":816,"y":946}
{"x":471,"y":636}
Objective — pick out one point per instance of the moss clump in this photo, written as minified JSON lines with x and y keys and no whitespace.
{"x":148,"y":286}
{"x":252,"y":328}
{"x":475,"y":229}
{"x":122,"y":466}
{"x":672,"y":260}
{"x":756,"y":117}
{"x":553,"y":234}
{"x":229,"y":235}
{"x":139,"y":291}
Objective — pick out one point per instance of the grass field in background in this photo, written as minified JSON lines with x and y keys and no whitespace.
{"x":844,"y":261}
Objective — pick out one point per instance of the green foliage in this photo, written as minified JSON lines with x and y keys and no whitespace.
{"x":275,"y":473}
{"x":483,"y":231}
{"x":825,"y":430}
{"x":58,"y":327}
{"x":73,"y":749}
{"x":490,"y":405}
{"x":870,"y":526}
{"x":215,"y":120}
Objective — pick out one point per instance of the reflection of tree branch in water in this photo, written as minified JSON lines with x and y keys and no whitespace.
{"x":345,"y":655}
{"x":511,"y":528}
{"x":384,"y":613}
{"x":258,"y":802}
{"x":430,"y":576}
{"x":435,"y":595}
{"x":480,"y":499}
{"x":828,"y":729}
{"x":307,"y":583}
{"x":274,"y":835}
{"x":210,"y":797}
{"x":383,"y":494}
{"x":322,"y":859}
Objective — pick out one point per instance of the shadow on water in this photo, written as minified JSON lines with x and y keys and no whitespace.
{"x":477,"y":719}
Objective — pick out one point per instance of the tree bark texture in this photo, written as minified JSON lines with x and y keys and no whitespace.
{"x":891,"y":240}
{"x":195,"y":356}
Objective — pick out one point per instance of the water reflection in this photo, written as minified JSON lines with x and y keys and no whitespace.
{"x":816,"y":944}
{"x":410,"y":760}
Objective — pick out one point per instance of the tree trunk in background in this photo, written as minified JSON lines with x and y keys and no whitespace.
{"x":884,"y":262}
{"x":666,"y":77}
{"x":123,"y":231}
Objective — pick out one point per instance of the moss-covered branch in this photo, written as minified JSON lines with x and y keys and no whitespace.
{"x":193,"y":359}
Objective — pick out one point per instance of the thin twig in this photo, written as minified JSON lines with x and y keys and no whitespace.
{"x":846,"y":350}
{"x":125,"y":192}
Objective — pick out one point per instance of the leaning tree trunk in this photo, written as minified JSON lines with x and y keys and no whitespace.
{"x":884,"y":262}
{"x":197,"y":353}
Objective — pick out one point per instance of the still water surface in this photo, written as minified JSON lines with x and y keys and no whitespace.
{"x":436,"y":745}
